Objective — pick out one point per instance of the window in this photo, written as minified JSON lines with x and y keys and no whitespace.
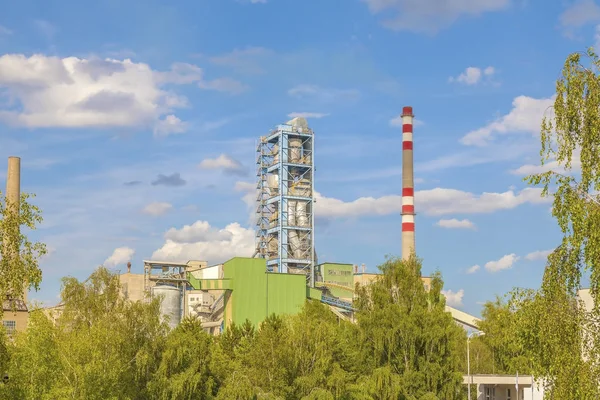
{"x":490,"y":393}
{"x":508,"y":397}
{"x":10,"y":326}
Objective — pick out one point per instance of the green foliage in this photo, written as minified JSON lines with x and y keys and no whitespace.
{"x":501,"y":323}
{"x":102,"y":346}
{"x":572,"y":138}
{"x":409,"y":341}
{"x":19,"y":272}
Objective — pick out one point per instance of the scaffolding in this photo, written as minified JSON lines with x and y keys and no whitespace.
{"x":285,"y":200}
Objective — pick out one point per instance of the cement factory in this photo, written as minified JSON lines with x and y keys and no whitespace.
{"x":284,"y":270}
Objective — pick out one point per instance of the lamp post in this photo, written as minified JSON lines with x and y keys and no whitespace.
{"x":475,"y":333}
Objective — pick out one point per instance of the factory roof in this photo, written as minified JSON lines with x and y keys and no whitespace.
{"x":17,"y":304}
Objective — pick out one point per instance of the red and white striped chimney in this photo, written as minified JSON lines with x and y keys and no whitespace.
{"x":408,"y":185}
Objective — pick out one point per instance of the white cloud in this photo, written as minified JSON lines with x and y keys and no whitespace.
{"x":473,"y":269}
{"x":169,"y":125}
{"x":323,"y":94}
{"x":200,"y":241}
{"x":555,"y":166}
{"x":307,"y":115}
{"x":434,"y":202}
{"x":454,"y":299}
{"x":243,"y":60}
{"x":538,"y":255}
{"x":396,"y":122}
{"x":121,"y":255}
{"x":473,"y":75}
{"x":506,"y":262}
{"x":580,"y":13}
{"x":226,"y":85}
{"x":456,"y":224}
{"x":157,"y":208}
{"x":75,"y":92}
{"x":5,"y":31}
{"x":225,"y":163}
{"x":526,"y":116}
{"x":430,"y":16}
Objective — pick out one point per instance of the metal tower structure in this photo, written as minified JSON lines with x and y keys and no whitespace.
{"x":285,"y":202}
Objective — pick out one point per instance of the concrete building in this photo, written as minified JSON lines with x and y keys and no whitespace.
{"x":15,"y":317}
{"x":505,"y":387}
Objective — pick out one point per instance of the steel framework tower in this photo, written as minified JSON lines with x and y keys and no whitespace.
{"x":285,"y":202}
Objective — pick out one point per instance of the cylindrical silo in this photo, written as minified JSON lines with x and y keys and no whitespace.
{"x":170,"y":304}
{"x":295,"y":150}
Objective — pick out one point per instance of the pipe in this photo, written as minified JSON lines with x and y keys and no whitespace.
{"x":408,"y":191}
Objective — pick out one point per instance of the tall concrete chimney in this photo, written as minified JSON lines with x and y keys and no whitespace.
{"x":408,"y":185}
{"x":13,"y":193}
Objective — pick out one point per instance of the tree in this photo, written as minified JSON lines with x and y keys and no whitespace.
{"x":570,"y":142}
{"x":184,"y":371}
{"x":410,"y":344}
{"x":500,"y":322}
{"x":18,"y":273}
{"x":101,"y":347}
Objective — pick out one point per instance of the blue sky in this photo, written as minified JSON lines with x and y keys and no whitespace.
{"x":136,"y":123}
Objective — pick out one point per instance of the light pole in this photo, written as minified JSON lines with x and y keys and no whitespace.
{"x":475,"y":333}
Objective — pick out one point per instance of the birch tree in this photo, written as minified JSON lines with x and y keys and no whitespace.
{"x":22,"y":272}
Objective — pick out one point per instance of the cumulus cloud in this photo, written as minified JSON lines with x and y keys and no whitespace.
{"x":200,"y":241}
{"x":121,"y":255}
{"x":430,"y":16}
{"x":525,"y":117}
{"x":456,"y":223}
{"x":307,"y":115}
{"x":538,"y":255}
{"x":224,"y":163}
{"x":454,"y":299}
{"x":173,"y":180}
{"x":506,"y":262}
{"x":473,"y":269}
{"x":77,"y":92}
{"x":396,"y":122}
{"x":434,"y":202}
{"x":157,"y":208}
{"x":473,"y":75}
{"x":580,"y":13}
{"x":316,"y":92}
{"x":169,"y":125}
{"x":555,"y":166}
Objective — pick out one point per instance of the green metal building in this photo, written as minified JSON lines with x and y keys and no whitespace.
{"x":251,"y":293}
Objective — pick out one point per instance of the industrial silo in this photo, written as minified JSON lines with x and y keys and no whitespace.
{"x":170,"y":305}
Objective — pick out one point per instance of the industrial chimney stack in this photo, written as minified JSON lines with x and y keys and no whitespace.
{"x":13,"y":192}
{"x":408,"y":185}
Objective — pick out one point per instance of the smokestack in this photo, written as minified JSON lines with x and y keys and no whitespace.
{"x":408,"y":185}
{"x":13,"y":194}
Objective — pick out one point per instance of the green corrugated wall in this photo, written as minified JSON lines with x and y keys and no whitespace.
{"x":286,"y":293}
{"x":256,"y":294}
{"x":249,"y":285}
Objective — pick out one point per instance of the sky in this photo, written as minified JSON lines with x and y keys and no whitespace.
{"x":136,"y":123}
